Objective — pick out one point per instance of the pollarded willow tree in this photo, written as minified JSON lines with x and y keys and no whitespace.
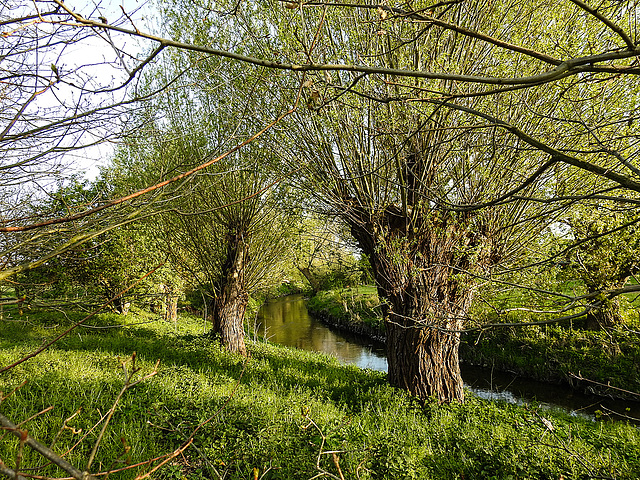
{"x":222,"y":225}
{"x":222,"y":228}
{"x":394,"y":181}
{"x":232,"y":240}
{"x":434,"y":196}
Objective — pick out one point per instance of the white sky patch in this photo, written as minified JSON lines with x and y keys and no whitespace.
{"x":87,"y":63}
{"x":561,"y":230}
{"x":109,"y":59}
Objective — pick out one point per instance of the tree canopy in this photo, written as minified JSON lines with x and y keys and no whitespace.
{"x":446,"y":135}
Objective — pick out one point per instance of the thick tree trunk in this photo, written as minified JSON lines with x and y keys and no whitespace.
{"x":232,"y":297}
{"x":231,"y":322}
{"x":171,"y":309}
{"x":427,"y":303}
{"x":313,"y":282}
{"x":606,"y":316}
{"x":169,"y":303}
{"x":424,"y":361}
{"x":423,"y":336}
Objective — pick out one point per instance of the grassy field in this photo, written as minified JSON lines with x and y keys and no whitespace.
{"x":350,"y":305}
{"x":281,"y":414}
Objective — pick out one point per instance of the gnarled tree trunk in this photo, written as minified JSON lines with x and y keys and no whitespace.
{"x":607,"y":315}
{"x":418,"y":273}
{"x":424,"y":361}
{"x":311,"y":278}
{"x":170,"y":304}
{"x":232,"y":297}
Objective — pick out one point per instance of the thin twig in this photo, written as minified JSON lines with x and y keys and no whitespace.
{"x":44,"y":450}
{"x":71,"y":328}
{"x":581,"y":378}
{"x":129,"y":382}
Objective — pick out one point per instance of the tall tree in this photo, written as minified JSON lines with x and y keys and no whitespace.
{"x":222,"y":225}
{"x":231,"y":240}
{"x":605,"y":256}
{"x":435,"y":180}
{"x":394,"y":183}
{"x":402,"y":177}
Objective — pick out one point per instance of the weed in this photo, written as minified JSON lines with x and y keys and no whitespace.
{"x":283,"y":413}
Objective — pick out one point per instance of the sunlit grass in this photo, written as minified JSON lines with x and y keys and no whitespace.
{"x":261,"y":407}
{"x":359,"y":304}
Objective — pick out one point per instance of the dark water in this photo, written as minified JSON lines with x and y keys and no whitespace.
{"x":285,"y":321}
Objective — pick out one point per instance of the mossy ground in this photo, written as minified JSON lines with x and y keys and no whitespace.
{"x":261,"y":409}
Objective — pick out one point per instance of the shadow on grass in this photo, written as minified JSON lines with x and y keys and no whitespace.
{"x":261,"y":425}
{"x":279,"y":368}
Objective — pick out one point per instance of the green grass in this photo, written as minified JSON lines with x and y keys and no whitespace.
{"x":350,"y":305}
{"x":262,"y":411}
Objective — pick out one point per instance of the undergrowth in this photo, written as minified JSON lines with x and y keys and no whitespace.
{"x":556,"y":353}
{"x":354,"y":305}
{"x":281,"y":414}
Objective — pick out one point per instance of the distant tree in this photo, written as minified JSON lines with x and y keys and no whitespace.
{"x":103,"y":266}
{"x":606,"y":254}
{"x":235,"y":249}
{"x":223,"y":227}
{"x":321,"y":253}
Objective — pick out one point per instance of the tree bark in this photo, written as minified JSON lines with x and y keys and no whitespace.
{"x":232,"y":297}
{"x":423,"y":334}
{"x":607,"y":315}
{"x":424,"y":361}
{"x":169,"y":303}
{"x":171,"y":308}
{"x":313,"y":282}
{"x":418,"y":274}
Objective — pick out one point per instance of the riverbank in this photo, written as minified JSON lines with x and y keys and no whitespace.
{"x":355,"y":310}
{"x":601,"y":363}
{"x":279,"y":414}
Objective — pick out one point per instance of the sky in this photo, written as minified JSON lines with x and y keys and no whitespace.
{"x":94,"y":61}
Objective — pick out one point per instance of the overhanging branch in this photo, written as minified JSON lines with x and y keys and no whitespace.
{"x":566,"y":68}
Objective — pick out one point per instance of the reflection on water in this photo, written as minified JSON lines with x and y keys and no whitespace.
{"x":286,"y":321}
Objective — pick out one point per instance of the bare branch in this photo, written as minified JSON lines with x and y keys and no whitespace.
{"x":128,"y":383}
{"x":581,"y":378}
{"x":622,"y":180}
{"x":44,"y":451}
{"x":146,"y":190}
{"x":421,"y":17}
{"x":617,"y":29}
{"x":567,"y":68}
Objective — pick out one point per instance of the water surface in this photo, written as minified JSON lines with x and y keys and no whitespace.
{"x":286,"y":321}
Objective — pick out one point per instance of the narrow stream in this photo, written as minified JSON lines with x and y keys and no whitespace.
{"x":286,"y":321}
